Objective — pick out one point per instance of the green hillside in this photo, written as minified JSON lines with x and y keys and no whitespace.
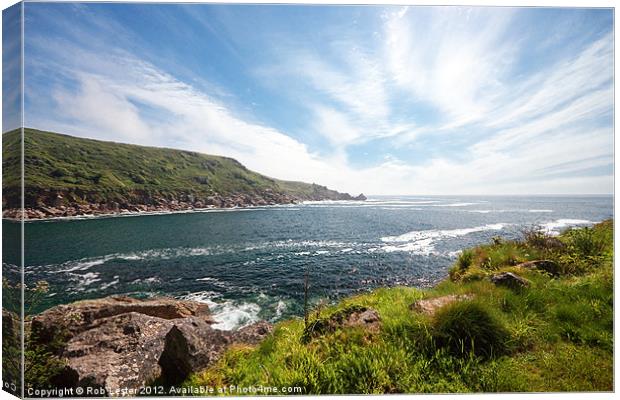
{"x":66,"y":171}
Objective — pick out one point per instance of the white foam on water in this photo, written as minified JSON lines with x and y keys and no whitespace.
{"x":152,"y":254}
{"x":455,"y":205}
{"x":84,"y":280}
{"x":280,"y":308}
{"x":228,"y":315}
{"x":554,"y":227}
{"x":507,"y":211}
{"x":423,"y":242}
{"x":81,"y":265}
{"x":454,"y":254}
{"x":408,"y":208}
{"x":111,"y":283}
{"x":215,"y":282}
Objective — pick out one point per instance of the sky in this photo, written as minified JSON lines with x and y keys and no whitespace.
{"x":372,"y":99}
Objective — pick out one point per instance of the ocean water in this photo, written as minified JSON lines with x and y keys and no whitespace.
{"x":249,"y":264}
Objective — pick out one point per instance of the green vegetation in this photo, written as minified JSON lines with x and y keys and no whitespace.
{"x":554,"y":335}
{"x":40,"y":365}
{"x":92,"y":171}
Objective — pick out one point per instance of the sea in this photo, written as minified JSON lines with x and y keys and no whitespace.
{"x":249,"y":264}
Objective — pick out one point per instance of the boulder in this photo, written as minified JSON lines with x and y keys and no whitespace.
{"x":117,"y":353}
{"x":429,"y":306}
{"x":192,"y":345}
{"x":510,"y":280}
{"x":118,"y":344}
{"x":549,"y":266}
{"x":66,"y":321}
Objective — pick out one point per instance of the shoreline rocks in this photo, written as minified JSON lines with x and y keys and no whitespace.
{"x":47,"y":209}
{"x":119,"y":343}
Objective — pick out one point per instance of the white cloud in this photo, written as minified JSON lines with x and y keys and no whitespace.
{"x":544,"y":133}
{"x":109,"y":112}
{"x":452,"y":57}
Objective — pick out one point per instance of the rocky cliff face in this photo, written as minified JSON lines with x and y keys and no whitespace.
{"x":119,"y":344}
{"x":54,"y":204}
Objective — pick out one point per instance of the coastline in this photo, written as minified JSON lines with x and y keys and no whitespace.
{"x":92,"y":211}
{"x":393,"y":321}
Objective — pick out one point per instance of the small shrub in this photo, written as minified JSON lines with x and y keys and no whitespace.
{"x":474,"y":274}
{"x":537,"y":238}
{"x":469,"y":327}
{"x":584,"y":243}
{"x":464,"y":261}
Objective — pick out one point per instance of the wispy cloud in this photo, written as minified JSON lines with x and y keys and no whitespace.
{"x":441,"y":100}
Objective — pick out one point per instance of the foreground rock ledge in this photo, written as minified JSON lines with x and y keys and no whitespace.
{"x":120,"y":343}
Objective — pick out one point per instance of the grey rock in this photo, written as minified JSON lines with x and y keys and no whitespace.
{"x":190,"y":345}
{"x":508,"y":279}
{"x":118,"y":352}
{"x":66,"y":321}
{"x":549,"y":266}
{"x":193,"y":345}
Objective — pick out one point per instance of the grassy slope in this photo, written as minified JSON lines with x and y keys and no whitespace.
{"x":556,"y":335}
{"x":107,"y":171}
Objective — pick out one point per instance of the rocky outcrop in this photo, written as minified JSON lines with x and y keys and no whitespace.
{"x":57,"y":205}
{"x":121,"y":344}
{"x":65,"y":321}
{"x":429,"y":306}
{"x":548,"y":266}
{"x":510,"y":280}
{"x":192,"y":345}
{"x":117,"y":353}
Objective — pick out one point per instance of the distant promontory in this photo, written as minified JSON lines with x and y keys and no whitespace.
{"x":66,"y":176}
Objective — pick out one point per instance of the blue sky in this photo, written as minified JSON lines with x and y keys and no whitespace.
{"x":375,"y":99}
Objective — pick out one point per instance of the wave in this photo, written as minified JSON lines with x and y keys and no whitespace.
{"x":113,"y":282}
{"x":507,"y":211}
{"x":554,"y":227}
{"x":85,"y":280}
{"x":455,"y":205}
{"x":162,"y":254}
{"x":280,"y":309}
{"x":228,"y":315}
{"x":423,"y":242}
{"x":84,"y":264}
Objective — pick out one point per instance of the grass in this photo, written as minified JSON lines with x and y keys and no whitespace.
{"x":94,"y":171}
{"x":555,"y":335}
